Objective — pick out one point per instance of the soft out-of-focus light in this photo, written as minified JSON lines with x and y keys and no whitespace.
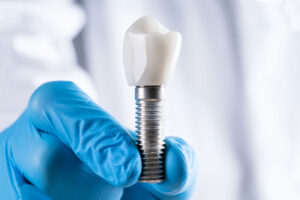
{"x":289,"y":8}
{"x":292,"y":8}
{"x":63,"y":19}
{"x":37,"y":48}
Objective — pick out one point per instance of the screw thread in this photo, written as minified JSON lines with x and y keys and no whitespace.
{"x":150,"y":139}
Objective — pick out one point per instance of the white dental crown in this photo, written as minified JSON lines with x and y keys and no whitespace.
{"x":150,"y":52}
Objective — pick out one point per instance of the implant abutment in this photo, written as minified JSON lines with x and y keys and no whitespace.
{"x":150,"y":132}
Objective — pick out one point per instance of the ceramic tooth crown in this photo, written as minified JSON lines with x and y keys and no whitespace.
{"x":150,"y":52}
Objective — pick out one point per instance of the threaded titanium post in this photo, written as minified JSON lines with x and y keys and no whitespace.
{"x":150,"y":132}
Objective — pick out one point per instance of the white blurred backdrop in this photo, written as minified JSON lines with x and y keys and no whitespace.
{"x":234,"y":95}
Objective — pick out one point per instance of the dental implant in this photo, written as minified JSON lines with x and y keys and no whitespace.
{"x":150,"y":54}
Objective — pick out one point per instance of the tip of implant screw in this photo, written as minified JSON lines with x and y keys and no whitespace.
{"x":151,"y":181}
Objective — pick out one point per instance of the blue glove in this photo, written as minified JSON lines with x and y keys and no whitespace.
{"x":64,"y":146}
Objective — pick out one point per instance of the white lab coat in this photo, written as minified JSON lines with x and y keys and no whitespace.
{"x":233,"y":96}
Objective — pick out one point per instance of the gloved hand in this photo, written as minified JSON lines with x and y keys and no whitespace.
{"x":64,"y":146}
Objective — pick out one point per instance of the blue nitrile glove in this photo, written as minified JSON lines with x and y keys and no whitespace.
{"x":64,"y":146}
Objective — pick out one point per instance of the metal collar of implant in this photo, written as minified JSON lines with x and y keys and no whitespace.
{"x":150,"y":92}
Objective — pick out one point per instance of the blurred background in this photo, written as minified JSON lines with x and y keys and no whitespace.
{"x":234,"y":95}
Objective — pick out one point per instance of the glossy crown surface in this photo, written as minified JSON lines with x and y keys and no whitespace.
{"x":150,"y":52}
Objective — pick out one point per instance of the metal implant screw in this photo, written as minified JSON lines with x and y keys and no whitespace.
{"x":150,"y":132}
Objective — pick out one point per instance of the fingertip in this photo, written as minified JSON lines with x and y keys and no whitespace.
{"x":182,"y":152}
{"x":43,"y":95}
{"x":180,"y":166}
{"x":47,"y":99}
{"x":177,"y":154}
{"x":129,"y":171}
{"x":134,"y":172}
{"x":136,"y":169}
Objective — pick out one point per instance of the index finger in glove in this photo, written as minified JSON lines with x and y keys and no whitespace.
{"x":62,"y":109}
